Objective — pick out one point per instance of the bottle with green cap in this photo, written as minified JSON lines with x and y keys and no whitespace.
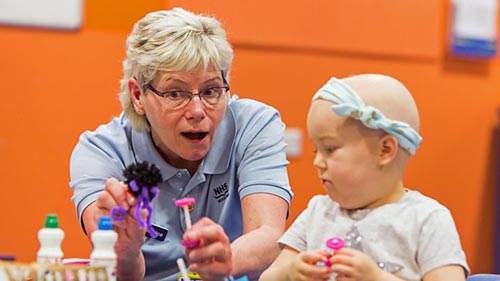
{"x":103,"y":253}
{"x":50,"y":237}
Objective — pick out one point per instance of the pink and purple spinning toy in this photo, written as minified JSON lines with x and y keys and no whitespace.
{"x":185,"y":203}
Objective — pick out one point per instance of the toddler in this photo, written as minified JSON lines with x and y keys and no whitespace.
{"x":364,"y":129}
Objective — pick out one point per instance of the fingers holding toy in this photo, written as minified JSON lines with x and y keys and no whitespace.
{"x":118,"y":191}
{"x":111,"y":197}
{"x":304,"y":266}
{"x":351,"y":264}
{"x":207,"y":232}
{"x":212,"y":258}
{"x":114,"y":201}
{"x":130,"y":234}
{"x":135,"y":195}
{"x":212,"y":262}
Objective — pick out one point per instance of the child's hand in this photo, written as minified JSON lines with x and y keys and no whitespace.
{"x":350,"y":264}
{"x":304,"y":266}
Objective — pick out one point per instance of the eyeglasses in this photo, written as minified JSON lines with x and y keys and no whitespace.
{"x":180,"y":98}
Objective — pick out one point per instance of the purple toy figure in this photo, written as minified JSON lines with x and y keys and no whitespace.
{"x":142,"y":180}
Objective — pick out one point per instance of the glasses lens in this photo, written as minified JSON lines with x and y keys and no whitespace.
{"x":177,"y":103}
{"x":212,"y":95}
{"x":177,"y":98}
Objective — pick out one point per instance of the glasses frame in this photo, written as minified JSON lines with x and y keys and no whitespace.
{"x":191,"y":94}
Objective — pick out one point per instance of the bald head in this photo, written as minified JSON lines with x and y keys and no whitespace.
{"x":379,"y":102}
{"x":388,"y":95}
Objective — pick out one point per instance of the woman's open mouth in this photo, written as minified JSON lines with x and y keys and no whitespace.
{"x":195,"y":135}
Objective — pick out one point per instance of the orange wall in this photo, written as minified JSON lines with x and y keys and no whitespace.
{"x":58,"y":84}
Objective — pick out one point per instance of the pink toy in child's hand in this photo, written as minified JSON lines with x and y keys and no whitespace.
{"x":334,"y":244}
{"x":185,"y":203}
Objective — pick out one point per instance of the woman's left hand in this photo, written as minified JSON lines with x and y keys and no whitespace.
{"x":212,"y":258}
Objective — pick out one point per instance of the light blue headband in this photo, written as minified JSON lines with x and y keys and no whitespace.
{"x":348,"y":103}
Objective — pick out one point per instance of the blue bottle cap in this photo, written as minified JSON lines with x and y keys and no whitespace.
{"x":105,"y":223}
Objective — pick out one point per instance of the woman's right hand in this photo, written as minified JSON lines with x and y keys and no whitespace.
{"x":130,"y":234}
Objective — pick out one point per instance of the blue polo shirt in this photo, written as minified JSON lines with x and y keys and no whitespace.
{"x":246,"y":157}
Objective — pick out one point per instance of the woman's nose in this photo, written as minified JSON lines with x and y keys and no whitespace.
{"x":195,"y":108}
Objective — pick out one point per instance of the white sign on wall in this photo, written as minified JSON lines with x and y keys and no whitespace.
{"x":474,"y":31}
{"x":58,"y":14}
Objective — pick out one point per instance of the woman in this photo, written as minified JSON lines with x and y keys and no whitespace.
{"x":225,"y":152}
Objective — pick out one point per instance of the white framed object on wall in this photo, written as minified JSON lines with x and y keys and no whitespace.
{"x":55,"y":14}
{"x":473,"y":29}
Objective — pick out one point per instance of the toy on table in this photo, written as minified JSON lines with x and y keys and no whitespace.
{"x":183,"y":270}
{"x":12,"y":270}
{"x":191,"y":276}
{"x":142,"y":180}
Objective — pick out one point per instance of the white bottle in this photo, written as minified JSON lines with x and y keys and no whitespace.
{"x":50,"y":237}
{"x":103,"y":253}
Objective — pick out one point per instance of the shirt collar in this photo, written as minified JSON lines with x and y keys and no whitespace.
{"x":217,"y":159}
{"x":146,"y":151}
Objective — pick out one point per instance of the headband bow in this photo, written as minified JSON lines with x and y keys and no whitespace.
{"x":348,"y":103}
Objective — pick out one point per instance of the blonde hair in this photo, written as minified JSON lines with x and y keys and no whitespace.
{"x":172,"y":40}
